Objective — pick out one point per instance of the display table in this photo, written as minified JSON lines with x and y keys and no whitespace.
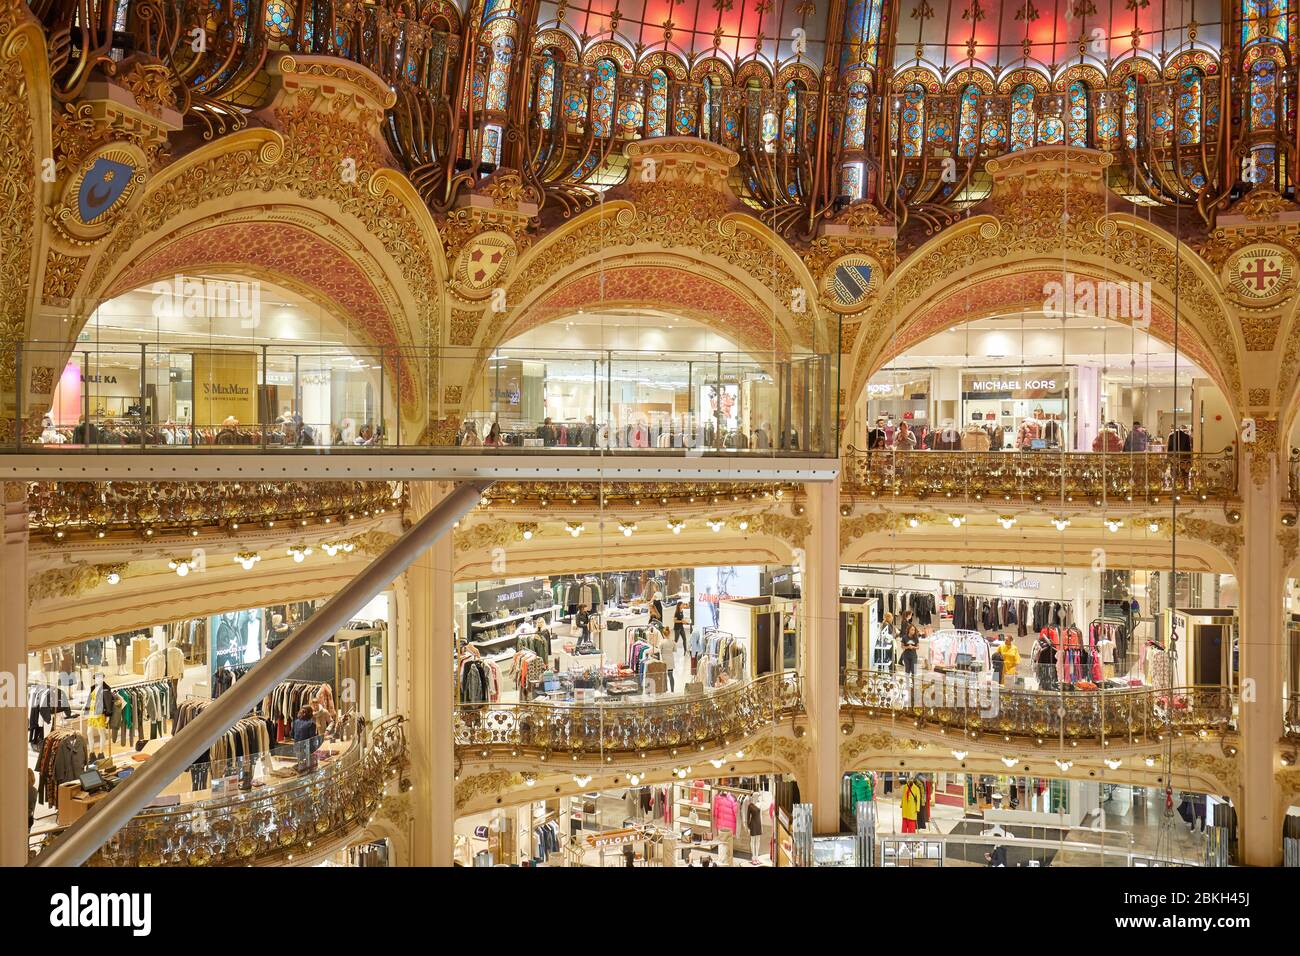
{"x":580,"y":662}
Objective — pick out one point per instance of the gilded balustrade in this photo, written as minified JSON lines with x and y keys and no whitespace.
{"x":726,"y":715}
{"x":63,"y":509}
{"x":975,"y":709}
{"x":1069,"y":477}
{"x":268,"y":825}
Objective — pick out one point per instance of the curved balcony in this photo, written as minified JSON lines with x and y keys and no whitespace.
{"x":67,"y":509}
{"x":268,"y":826}
{"x":976,"y":709}
{"x":597,"y":731}
{"x":1053,"y":477}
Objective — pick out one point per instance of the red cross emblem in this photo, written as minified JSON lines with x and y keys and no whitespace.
{"x":1262,"y":274}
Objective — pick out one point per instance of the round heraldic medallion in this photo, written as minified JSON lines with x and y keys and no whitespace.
{"x":850,"y":281}
{"x":484,"y":263}
{"x":103,"y":185}
{"x":1260,"y":272}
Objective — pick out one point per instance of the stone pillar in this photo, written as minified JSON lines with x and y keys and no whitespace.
{"x":13,"y":670}
{"x":1262,"y":589}
{"x":821,"y":689}
{"x":428,"y":633}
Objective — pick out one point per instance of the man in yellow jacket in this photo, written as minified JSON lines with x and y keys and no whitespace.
{"x":1010,"y":660}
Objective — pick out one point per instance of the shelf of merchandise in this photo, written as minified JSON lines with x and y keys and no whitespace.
{"x":498,"y":621}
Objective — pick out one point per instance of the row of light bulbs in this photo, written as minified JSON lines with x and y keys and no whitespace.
{"x":1060,"y":522}
{"x":635,"y":777}
{"x":248,"y":559}
{"x":1114,"y":763}
{"x":543,"y":502}
{"x":627,"y":528}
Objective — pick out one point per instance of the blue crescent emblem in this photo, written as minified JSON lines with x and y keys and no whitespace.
{"x":101,"y":188}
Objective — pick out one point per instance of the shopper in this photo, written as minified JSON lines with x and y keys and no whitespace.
{"x":905,"y":439}
{"x":548,"y":434}
{"x":890,"y":633}
{"x":583,"y":621}
{"x":1138,"y":439}
{"x":668,"y":654}
{"x":995,"y":659}
{"x":997,"y":858}
{"x":494,"y":439}
{"x":679,"y":623}
{"x":657,"y":610}
{"x":305,"y":737}
{"x":1044,"y":657}
{"x":1010,"y":659}
{"x":469,"y":436}
{"x":1179,"y":447}
{"x":911,"y":641}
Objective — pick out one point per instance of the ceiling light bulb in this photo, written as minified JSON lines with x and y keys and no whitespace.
{"x":1114,"y":524}
{"x":528,"y":534}
{"x":913,"y":521}
{"x":716,"y":763}
{"x":959,"y":755}
{"x":743,"y":524}
{"x":113,"y":577}
{"x":956,"y":520}
{"x":1065,"y":765}
{"x":1009,"y":761}
{"x":1061,"y":523}
{"x":182,"y":569}
{"x":1153,"y":526}
{"x":740,"y":755}
{"x":716,"y":524}
{"x":1113,"y":762}
{"x":1006,"y":521}
{"x":581,"y":781}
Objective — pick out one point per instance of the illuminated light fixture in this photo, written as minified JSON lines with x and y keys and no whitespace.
{"x":528,"y":533}
{"x":740,"y":755}
{"x":1153,"y":526}
{"x":1006,"y":520}
{"x":573,"y":529}
{"x":627,"y":529}
{"x":1150,"y":761}
{"x":1009,"y":761}
{"x":1061,"y":523}
{"x":1114,"y":524}
{"x":743,"y":524}
{"x":582,"y":781}
{"x":113,"y":577}
{"x":181,"y":566}
{"x":485,"y":501}
{"x":1065,"y":765}
{"x":679,"y":773}
{"x":1113,"y":762}
{"x":299,"y":552}
{"x":529,"y":780}
{"x":634,"y":779}
{"x":716,"y":763}
{"x":956,"y":520}
{"x":779,"y":492}
{"x":676,"y":526}
{"x":99,"y":534}
{"x":716,"y":524}
{"x":246,"y":559}
{"x":913,"y":521}
{"x":959,"y":755}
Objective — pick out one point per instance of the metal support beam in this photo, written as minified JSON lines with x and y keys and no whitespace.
{"x":88,"y":834}
{"x":369,"y":464}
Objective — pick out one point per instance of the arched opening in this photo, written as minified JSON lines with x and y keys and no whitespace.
{"x":1025,"y":382}
{"x":220,"y":359}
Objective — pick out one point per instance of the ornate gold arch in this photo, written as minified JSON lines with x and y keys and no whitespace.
{"x":1026,"y":233}
{"x":312,"y":190}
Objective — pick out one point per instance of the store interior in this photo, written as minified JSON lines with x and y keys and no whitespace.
{"x":1111,"y":630}
{"x":624,"y":636}
{"x":1093,"y":383}
{"x":1006,"y":819}
{"x":692,"y":821}
{"x":98,"y":709}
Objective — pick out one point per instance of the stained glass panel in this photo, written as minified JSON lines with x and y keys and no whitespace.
{"x":602,"y":96}
{"x":546,"y":91}
{"x":1022,"y":117}
{"x":1189,"y":107}
{"x":969,"y":121}
{"x":1078,"y":114}
{"x":657,"y":115}
{"x":855,"y":119}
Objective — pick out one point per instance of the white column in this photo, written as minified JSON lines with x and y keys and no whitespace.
{"x":13,"y":660}
{"x":822,"y":681}
{"x":428,"y":585}
{"x":1262,"y":633}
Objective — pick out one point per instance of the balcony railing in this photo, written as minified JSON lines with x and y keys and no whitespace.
{"x":1291,"y":720}
{"x":977,"y":709}
{"x":1046,"y":476}
{"x":65,"y":509}
{"x":598,"y":730}
{"x":268,"y":825}
{"x":310,"y":400}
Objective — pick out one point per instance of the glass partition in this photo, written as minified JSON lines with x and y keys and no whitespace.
{"x":272,"y":397}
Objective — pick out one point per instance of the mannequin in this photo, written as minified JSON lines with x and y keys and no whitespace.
{"x":99,"y":708}
{"x":155,"y":665}
{"x":49,"y":434}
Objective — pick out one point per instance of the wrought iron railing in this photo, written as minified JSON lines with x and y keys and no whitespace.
{"x":718,"y":718}
{"x":978,"y":709}
{"x":1046,"y":476}
{"x":1291,"y":719}
{"x":268,"y":825}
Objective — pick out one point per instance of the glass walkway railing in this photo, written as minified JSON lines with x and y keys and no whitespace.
{"x":302,"y":399}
